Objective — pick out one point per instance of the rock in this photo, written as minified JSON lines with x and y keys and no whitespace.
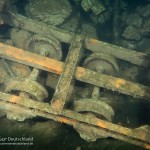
{"x":131,"y":73}
{"x":136,"y":34}
{"x":146,"y":27}
{"x":2,"y":4}
{"x":144,"y":11}
{"x":2,"y":114}
{"x":131,"y":33}
{"x":128,"y":44}
{"x":89,"y":30}
{"x":95,"y":6}
{"x":141,"y":46}
{"x":53,"y":12}
{"x":134,"y":19}
{"x":72,"y":23}
{"x":146,"y":23}
{"x":106,"y":16}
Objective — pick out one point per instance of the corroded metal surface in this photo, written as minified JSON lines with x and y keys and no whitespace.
{"x":102,"y":63}
{"x":81,"y":74}
{"x":26,"y":85}
{"x":94,"y":106}
{"x":96,"y":126}
{"x":49,"y":47}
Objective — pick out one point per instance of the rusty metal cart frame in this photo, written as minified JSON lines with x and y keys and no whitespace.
{"x":68,"y":70}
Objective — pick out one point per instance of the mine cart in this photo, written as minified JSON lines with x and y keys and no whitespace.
{"x":38,"y":46}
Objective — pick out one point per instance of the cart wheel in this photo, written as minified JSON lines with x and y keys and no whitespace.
{"x":49,"y":47}
{"x":93,"y":108}
{"x":32,"y":88}
{"x":96,"y":107}
{"x":101,"y":62}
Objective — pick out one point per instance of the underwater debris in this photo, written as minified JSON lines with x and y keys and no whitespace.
{"x":90,"y":126}
{"x":53,"y":12}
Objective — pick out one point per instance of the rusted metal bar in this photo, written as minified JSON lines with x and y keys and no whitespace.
{"x":66,"y":77}
{"x":81,"y":74}
{"x":97,"y":126}
{"x":28,"y":24}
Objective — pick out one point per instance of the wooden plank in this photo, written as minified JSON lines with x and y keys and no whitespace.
{"x":131,"y":56}
{"x":94,"y":125}
{"x":63,"y":86}
{"x":81,"y":74}
{"x":137,"y":58}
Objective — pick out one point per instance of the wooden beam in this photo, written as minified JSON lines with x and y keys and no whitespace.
{"x":85,"y":123}
{"x":16,"y":20}
{"x":63,"y":86}
{"x":81,"y":74}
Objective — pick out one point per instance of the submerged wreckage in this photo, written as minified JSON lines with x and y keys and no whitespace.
{"x":23,"y":97}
